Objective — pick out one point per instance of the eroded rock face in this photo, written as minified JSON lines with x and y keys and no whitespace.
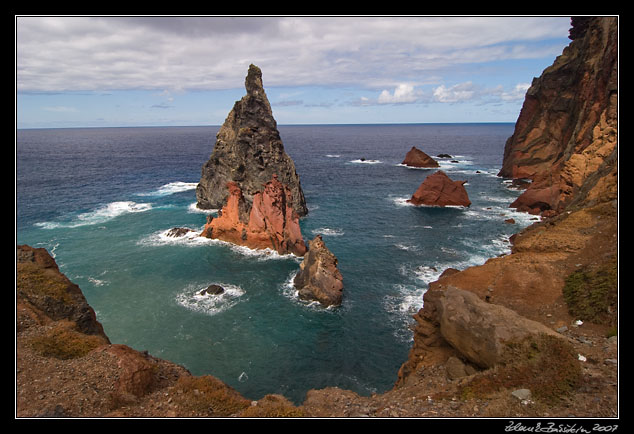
{"x":269,"y":222}
{"x":440,"y":190}
{"x":319,"y":278}
{"x":566,"y":134}
{"x":417,"y":158}
{"x":248,"y":152}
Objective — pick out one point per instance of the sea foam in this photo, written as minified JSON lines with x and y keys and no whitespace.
{"x":171,"y":188}
{"x":190,"y":298}
{"x":100,"y":215}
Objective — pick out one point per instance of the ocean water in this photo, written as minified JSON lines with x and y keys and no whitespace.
{"x":101,"y":199}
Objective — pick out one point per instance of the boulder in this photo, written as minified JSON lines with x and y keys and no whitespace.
{"x":319,"y":278}
{"x":440,"y":190}
{"x":417,"y":158}
{"x":477,"y":329}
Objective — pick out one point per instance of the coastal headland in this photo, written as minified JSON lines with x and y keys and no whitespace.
{"x":530,"y":334}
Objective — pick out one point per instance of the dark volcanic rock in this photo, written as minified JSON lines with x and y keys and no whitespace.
{"x":319,"y":278}
{"x":178,"y":232}
{"x":212,"y":290}
{"x":248,"y":152}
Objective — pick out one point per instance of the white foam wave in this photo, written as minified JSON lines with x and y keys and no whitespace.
{"x":333,"y":155}
{"x":328,"y":232}
{"x":401,"y":201}
{"x":171,"y":188}
{"x":209,"y":304}
{"x":161,"y":238}
{"x":100,"y":215}
{"x":408,"y":300}
{"x":194,"y":239}
{"x":364,"y":161}
{"x":193,"y":208}
{"x":408,"y":248}
{"x":416,"y":168}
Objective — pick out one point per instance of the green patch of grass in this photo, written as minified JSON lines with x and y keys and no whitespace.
{"x":592,"y":293}
{"x":63,"y":341}
{"x":545,"y":364}
{"x":208,"y":396}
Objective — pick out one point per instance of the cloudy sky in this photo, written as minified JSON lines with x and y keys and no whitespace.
{"x":155,"y":70}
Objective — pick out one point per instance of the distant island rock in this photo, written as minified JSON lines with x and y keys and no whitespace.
{"x":440,"y":190}
{"x":319,"y":278}
{"x":253,"y":180}
{"x":417,"y":158}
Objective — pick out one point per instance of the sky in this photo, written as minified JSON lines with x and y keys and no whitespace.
{"x":117,"y":71}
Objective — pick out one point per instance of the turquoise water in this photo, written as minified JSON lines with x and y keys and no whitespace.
{"x":101,"y":199}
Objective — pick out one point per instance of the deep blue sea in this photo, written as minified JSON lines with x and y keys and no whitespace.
{"x":100,"y":200}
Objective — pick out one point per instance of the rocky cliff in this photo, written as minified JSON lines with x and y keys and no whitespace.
{"x":248,"y":152}
{"x":565,"y":139}
{"x":480,"y":348}
{"x":253,"y":180}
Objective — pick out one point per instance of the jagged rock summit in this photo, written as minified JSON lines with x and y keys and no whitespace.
{"x":417,"y":158}
{"x":253,"y":180}
{"x":248,"y":151}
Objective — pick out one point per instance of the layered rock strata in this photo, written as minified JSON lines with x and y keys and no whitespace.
{"x":248,"y":152}
{"x":440,"y":190}
{"x":417,"y":158}
{"x":253,"y":180}
{"x":269,"y":222}
{"x":565,"y":138}
{"x":319,"y":278}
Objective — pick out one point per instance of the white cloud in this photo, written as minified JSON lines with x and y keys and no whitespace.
{"x":518,"y":93}
{"x":187,"y":53}
{"x":404,"y":93}
{"x":456,"y":93}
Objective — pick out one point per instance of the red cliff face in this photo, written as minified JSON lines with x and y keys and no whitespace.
{"x":565,"y":137}
{"x":440,"y":190}
{"x":270,"y":222}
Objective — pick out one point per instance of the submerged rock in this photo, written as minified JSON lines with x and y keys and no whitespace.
{"x":212,"y":290}
{"x":178,"y":232}
{"x":440,"y":190}
{"x":417,"y":158}
{"x":319,"y":278}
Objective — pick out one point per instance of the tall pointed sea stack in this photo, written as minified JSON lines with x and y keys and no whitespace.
{"x":248,"y":151}
{"x":253,"y":180}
